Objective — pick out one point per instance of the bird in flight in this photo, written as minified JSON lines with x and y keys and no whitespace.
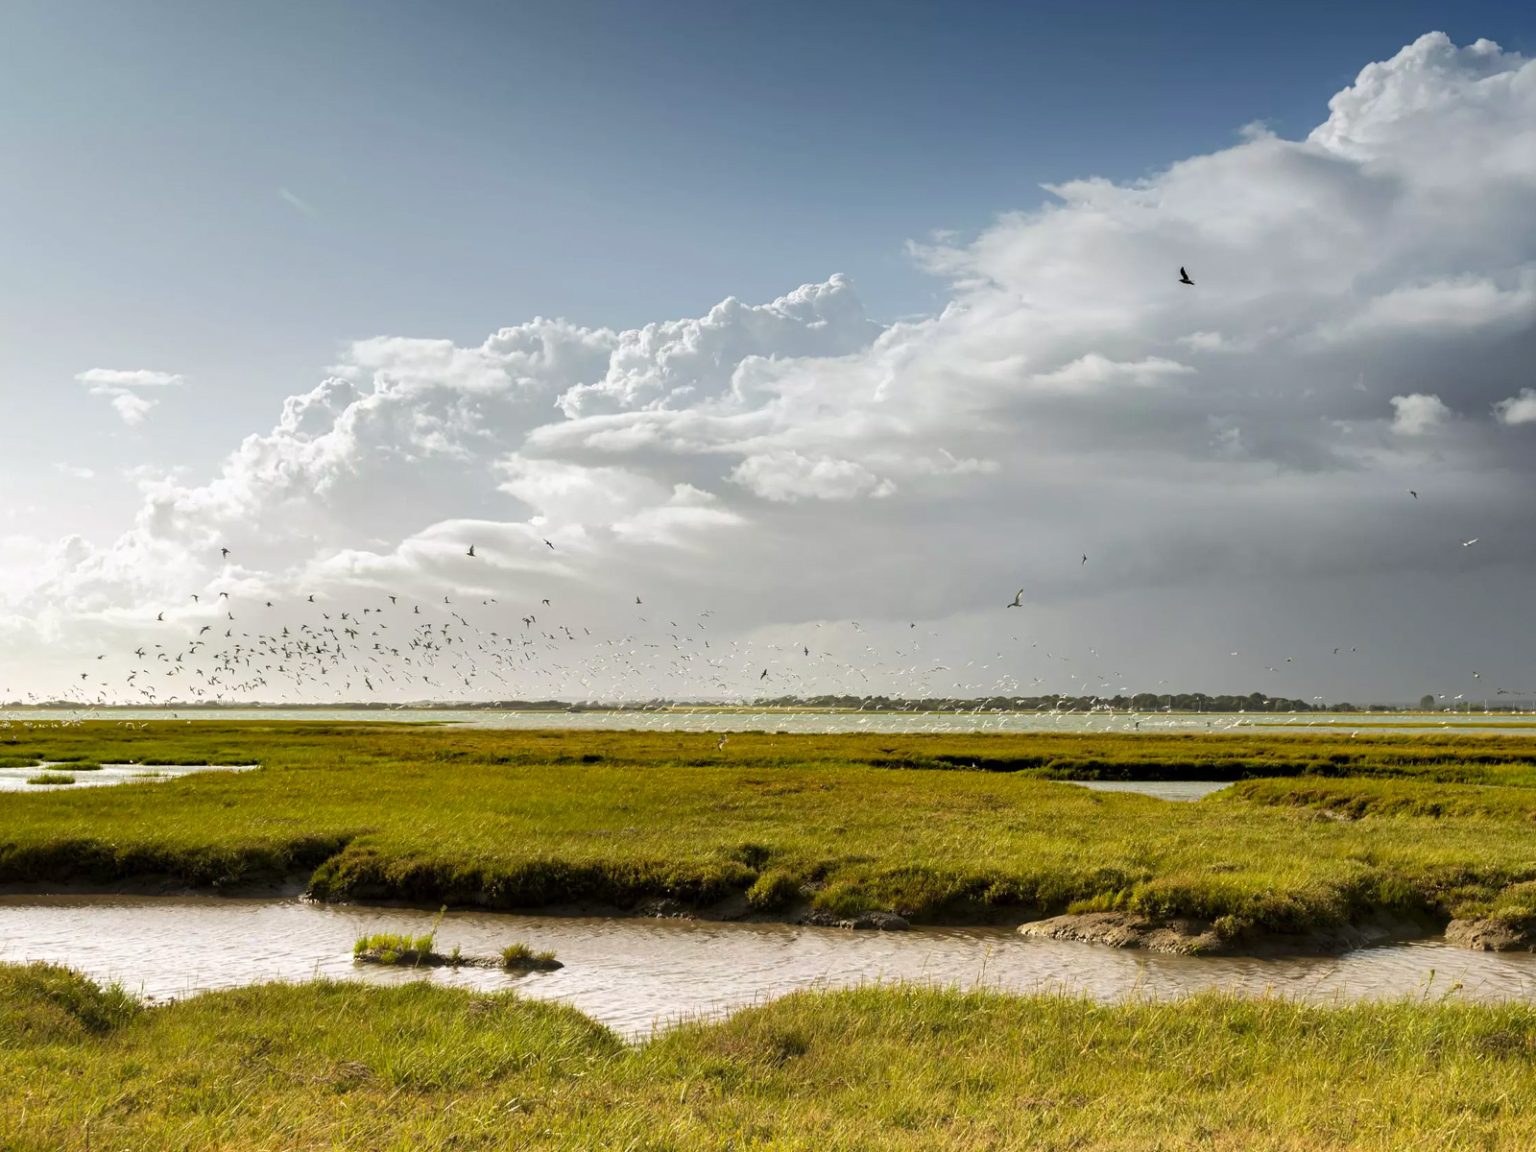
{"x":223,"y":553}
{"x":637,"y":599}
{"x":1469,"y":543}
{"x":1184,"y":278}
{"x":1085,"y":559}
{"x":551,"y":546}
{"x":1412,"y":493}
{"x":1017,"y":601}
{"x":471,"y":551}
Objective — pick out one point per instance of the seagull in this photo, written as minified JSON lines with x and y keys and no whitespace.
{"x":720,"y":747}
{"x":1184,"y":278}
{"x":551,"y":546}
{"x":544,"y":602}
{"x":764,"y":676}
{"x":1017,"y":601}
{"x":1469,"y":543}
{"x":1085,"y":559}
{"x":637,"y":599}
{"x":1412,"y":493}
{"x":223,"y":553}
{"x":194,"y":597}
{"x":161,"y":616}
{"x":471,"y":551}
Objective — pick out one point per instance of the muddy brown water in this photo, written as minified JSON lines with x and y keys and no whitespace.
{"x":638,"y":974}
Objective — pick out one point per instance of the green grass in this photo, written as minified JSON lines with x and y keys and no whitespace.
{"x":519,"y":958}
{"x":1417,"y":827}
{"x":51,"y":778}
{"x":336,"y":1065}
{"x":390,"y":948}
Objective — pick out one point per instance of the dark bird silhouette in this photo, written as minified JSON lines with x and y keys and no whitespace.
{"x":551,"y":546}
{"x":544,"y":602}
{"x":1184,"y":278}
{"x":637,"y":599}
{"x":764,"y":676}
{"x":471,"y":551}
{"x":1412,"y":493}
{"x":1085,"y":559}
{"x":223,"y":553}
{"x":1017,"y":601}
{"x":160,"y":616}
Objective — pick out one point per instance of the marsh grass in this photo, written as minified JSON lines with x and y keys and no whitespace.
{"x":331,"y":1065}
{"x":520,"y":957}
{"x":1418,"y":827}
{"x":392,"y":948}
{"x":51,"y":778}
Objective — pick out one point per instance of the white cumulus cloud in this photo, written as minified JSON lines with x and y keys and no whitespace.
{"x":1416,"y":414}
{"x":1519,"y":409}
{"x":1211,"y":448}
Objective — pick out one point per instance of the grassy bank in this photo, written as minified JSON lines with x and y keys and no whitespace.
{"x":422,"y":1067}
{"x":531,"y":819}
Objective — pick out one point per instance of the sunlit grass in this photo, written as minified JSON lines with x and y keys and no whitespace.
{"x":435,"y":815}
{"x":47,"y":778}
{"x":328,"y":1065}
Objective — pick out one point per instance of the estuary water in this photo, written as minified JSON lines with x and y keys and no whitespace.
{"x":743,"y":720}
{"x":636,"y":975}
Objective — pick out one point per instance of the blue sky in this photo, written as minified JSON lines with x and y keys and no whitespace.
{"x":233,"y":193}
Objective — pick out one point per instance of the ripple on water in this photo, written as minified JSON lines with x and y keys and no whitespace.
{"x":635,"y":974}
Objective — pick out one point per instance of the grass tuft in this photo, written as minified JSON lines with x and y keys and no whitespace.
{"x":51,"y":778}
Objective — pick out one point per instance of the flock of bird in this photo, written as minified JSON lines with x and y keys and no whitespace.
{"x":389,"y":648}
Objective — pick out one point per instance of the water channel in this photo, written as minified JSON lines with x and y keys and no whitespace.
{"x":638,"y":974}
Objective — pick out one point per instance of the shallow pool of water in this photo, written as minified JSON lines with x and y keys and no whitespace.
{"x":16,"y":779}
{"x":1162,"y":789}
{"x":636,"y":974}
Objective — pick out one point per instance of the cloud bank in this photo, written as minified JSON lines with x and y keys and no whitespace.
{"x":1234,"y":457}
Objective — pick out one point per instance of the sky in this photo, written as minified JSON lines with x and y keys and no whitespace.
{"x":837,"y":326}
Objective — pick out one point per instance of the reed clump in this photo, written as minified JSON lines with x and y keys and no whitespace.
{"x":519,"y":957}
